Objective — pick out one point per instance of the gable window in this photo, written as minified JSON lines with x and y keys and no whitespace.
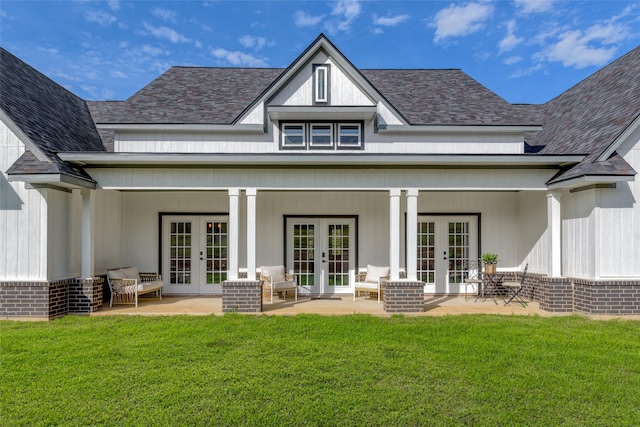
{"x":321,"y":84}
{"x":293,"y":135}
{"x":321,"y":135}
{"x":349,"y":135}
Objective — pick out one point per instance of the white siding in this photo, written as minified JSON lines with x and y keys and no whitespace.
{"x":619,"y":220}
{"x":108,"y":231}
{"x":300,"y":89}
{"x":499,"y":226}
{"x":65,"y":231}
{"x":578,"y":234}
{"x":23,"y":219}
{"x":533,"y":242}
{"x":433,"y":143}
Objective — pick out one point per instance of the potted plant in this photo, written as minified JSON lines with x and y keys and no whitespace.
{"x":490,"y":261}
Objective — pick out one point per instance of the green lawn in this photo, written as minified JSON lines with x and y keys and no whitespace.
{"x":314,"y":370}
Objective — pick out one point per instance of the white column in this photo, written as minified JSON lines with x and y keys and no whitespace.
{"x":554,"y":224}
{"x":234,"y":195}
{"x":394,"y":229}
{"x":88,"y":232}
{"x":412,"y":232}
{"x":251,"y":233}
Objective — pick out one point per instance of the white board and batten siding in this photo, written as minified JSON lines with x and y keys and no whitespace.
{"x":23,"y":219}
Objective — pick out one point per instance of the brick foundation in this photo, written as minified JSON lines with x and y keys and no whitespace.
{"x":242,"y":296}
{"x":404,"y":296}
{"x":49,"y":300}
{"x":606,"y":297}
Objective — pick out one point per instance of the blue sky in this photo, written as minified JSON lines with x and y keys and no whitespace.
{"x":527,"y":51}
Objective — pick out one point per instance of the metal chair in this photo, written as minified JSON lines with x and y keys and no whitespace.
{"x":473,"y":271}
{"x":514,"y":289}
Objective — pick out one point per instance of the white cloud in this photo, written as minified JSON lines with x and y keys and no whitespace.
{"x":114,"y":4}
{"x":302,"y":19}
{"x":389,"y":21}
{"x":591,"y":47}
{"x":252,"y":42}
{"x":103,"y":19}
{"x":238,"y":58}
{"x":345,"y":11}
{"x":166,"y":33}
{"x":534,"y":6}
{"x":151,"y":50}
{"x":455,"y":21}
{"x":512,"y":60}
{"x":164,"y":14}
{"x":510,"y":41}
{"x":118,"y":74}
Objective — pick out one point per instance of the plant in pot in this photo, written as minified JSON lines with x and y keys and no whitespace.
{"x":490,"y":261}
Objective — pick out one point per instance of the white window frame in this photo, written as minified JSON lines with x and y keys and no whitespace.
{"x":321,"y":83}
{"x":302,"y":144}
{"x":359,"y":135}
{"x":314,"y":144}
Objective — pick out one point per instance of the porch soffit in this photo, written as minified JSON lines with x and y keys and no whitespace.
{"x":102,"y":159}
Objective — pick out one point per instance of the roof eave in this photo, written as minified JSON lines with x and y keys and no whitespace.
{"x":589,"y":180}
{"x":102,"y":159}
{"x":182,"y":127}
{"x":53,"y":180}
{"x":511,"y":129}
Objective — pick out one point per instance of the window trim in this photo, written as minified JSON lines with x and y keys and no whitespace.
{"x":319,"y":146}
{"x":359,"y":144}
{"x":283,"y":135}
{"x":317,"y":98}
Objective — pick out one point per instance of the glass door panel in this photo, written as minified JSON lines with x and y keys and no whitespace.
{"x":339,"y":255}
{"x":194,"y":254}
{"x":445,"y":245}
{"x":304,"y":261}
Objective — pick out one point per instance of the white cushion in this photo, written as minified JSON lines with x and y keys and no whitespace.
{"x":276,"y":273}
{"x":367,"y":285}
{"x":374,"y":273}
{"x":132,"y":273}
{"x":116,"y":274}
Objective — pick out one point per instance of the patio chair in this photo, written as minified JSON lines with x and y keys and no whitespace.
{"x":274,"y":279}
{"x":514,"y":289}
{"x":371,"y":280}
{"x":473,"y":270}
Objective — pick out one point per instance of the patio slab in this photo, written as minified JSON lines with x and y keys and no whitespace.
{"x":434,"y":306}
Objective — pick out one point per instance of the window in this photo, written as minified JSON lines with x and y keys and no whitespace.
{"x":321,"y":135}
{"x":293,"y":135}
{"x":349,"y":135}
{"x":321,"y":81}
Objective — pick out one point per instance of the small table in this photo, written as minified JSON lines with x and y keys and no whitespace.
{"x":489,"y":286}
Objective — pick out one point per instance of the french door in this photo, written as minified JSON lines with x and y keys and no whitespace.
{"x":321,"y":253}
{"x":194,"y":254}
{"x":445,"y":245}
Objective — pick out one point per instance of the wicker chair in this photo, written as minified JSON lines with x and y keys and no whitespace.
{"x":126,"y":284}
{"x":274,"y":279}
{"x":371,"y":280}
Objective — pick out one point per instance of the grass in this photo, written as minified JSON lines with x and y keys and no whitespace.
{"x":320,"y":371}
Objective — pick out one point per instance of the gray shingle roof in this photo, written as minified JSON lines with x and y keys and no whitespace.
{"x":590,"y":116}
{"x":52,"y":117}
{"x":219,"y":95}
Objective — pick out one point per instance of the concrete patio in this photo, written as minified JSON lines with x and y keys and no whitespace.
{"x":434,"y":306}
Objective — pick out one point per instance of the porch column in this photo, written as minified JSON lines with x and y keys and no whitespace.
{"x":88,"y":232}
{"x":251,"y":233}
{"x":394,"y":237}
{"x":412,"y":232}
{"x":554,"y":223}
{"x":234,"y":195}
